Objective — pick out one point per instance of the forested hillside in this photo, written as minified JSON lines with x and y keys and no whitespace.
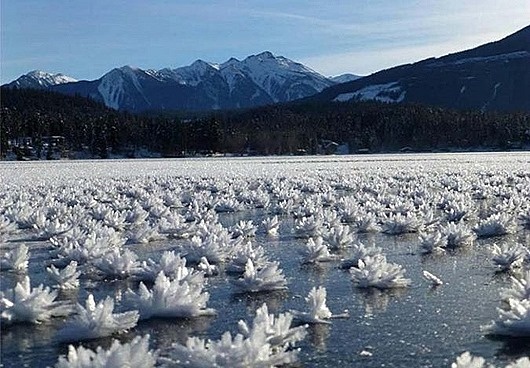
{"x":86,"y":125}
{"x":308,"y":128}
{"x":373,"y":126}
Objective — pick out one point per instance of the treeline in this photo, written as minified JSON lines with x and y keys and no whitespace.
{"x":276,"y":129}
{"x":85,"y":124}
{"x":367,"y":126}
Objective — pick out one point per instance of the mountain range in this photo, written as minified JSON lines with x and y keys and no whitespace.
{"x":494,"y":76}
{"x":257,"y":80}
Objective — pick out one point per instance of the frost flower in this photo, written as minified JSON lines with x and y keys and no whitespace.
{"x":514,"y":321}
{"x":457,"y":235}
{"x":135,"y":354}
{"x":316,"y":251}
{"x":507,"y":257}
{"x":466,"y":360}
{"x":496,"y":225}
{"x":168,"y":298}
{"x":339,"y":237}
{"x":520,"y":288}
{"x":377,"y":272}
{"x":97,"y":320}
{"x":268,"y":278}
{"x":318,"y":311}
{"x":432,"y":243}
{"x":267,"y":343}
{"x":67,"y":278}
{"x":16,"y":260}
{"x":118,"y":264}
{"x":23,"y":304}
{"x":401,"y":224}
{"x":359,"y":252}
{"x":271,"y":225}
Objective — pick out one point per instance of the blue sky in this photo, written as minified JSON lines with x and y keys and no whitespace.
{"x":87,"y":38}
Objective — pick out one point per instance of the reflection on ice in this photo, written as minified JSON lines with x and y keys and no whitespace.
{"x":375,"y":300}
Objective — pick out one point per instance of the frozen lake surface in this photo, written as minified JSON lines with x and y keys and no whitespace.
{"x":415,"y":326}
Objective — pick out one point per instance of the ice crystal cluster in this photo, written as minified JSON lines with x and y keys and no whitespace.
{"x":467,"y":360}
{"x":135,"y":354}
{"x":97,"y":320}
{"x":170,"y":298}
{"x":267,"y":342}
{"x":141,"y":239}
{"x":33,"y":305}
{"x":514,"y":317}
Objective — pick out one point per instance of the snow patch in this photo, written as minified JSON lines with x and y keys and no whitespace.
{"x":111,"y":89}
{"x":389,"y":92}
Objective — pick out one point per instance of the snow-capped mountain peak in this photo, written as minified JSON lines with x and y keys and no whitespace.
{"x":344,"y":78}
{"x":256,"y":80}
{"x":38,"y":79}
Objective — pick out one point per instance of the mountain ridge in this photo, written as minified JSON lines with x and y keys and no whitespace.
{"x":256,"y":80}
{"x":493,"y":76}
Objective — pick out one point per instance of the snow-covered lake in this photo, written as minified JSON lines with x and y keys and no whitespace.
{"x":448,"y":214}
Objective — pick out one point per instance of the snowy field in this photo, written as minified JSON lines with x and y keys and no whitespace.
{"x":356,"y":261}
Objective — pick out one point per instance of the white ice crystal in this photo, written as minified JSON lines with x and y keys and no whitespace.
{"x":135,"y":354}
{"x":67,"y":278}
{"x":118,"y":264}
{"x":318,"y":311}
{"x":268,"y":278}
{"x":395,"y":224}
{"x":520,"y":288}
{"x":308,"y":227}
{"x":358,"y":252}
{"x":142,"y":233}
{"x":271,"y":225}
{"x":496,"y":225}
{"x":523,"y":362}
{"x":214,"y":247}
{"x":242,"y":253}
{"x":169,"y":298}
{"x":277,"y":329}
{"x":457,"y":211}
{"x":523,"y":217}
{"x":339,"y":237}
{"x":173,"y":266}
{"x":513,"y":321}
{"x":434,"y":280}
{"x":377,"y":272}
{"x":94,"y":246}
{"x":207,"y":268}
{"x":7,"y":226}
{"x":365,"y":223}
{"x":246,"y":229}
{"x":267,"y":343}
{"x":466,"y":360}
{"x":457,"y":235}
{"x":16,"y":259}
{"x":96,"y":320}
{"x":507,"y":257}
{"x":432,"y":242}
{"x":315,"y":250}
{"x":51,"y":228}
{"x":24,"y":304}
{"x":174,"y":226}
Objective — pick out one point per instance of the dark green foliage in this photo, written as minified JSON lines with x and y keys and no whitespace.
{"x":86,"y":125}
{"x":274,"y":129}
